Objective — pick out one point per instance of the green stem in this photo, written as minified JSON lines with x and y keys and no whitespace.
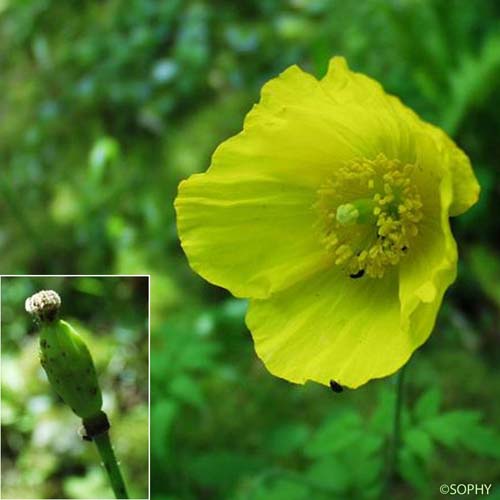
{"x":396,"y":430}
{"x":105,"y":449}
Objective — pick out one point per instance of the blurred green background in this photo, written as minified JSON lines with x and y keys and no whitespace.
{"x":43,"y":455}
{"x":107,"y":105}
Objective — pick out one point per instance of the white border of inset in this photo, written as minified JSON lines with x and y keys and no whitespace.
{"x":148,"y":276}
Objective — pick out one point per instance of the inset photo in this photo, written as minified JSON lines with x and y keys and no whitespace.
{"x":74,"y":387}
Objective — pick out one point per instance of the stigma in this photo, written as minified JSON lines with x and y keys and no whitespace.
{"x":369,"y":215}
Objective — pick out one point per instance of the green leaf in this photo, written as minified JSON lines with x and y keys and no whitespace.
{"x":419,"y":443}
{"x":412,"y":470}
{"x":482,"y":440}
{"x":428,"y":404}
{"x":337,"y":433}
{"x":330,"y":473}
{"x":370,"y":444}
{"x":288,"y":438}
{"x":448,"y":428}
{"x":367,"y":472}
{"x":463,"y":428}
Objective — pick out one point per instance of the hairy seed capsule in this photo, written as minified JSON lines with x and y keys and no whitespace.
{"x":65,"y":357}
{"x":70,"y":374}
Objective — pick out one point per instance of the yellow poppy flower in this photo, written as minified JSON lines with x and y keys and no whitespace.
{"x":330,"y":212}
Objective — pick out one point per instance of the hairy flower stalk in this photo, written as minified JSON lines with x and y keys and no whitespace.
{"x":330,"y":213}
{"x":70,"y":369}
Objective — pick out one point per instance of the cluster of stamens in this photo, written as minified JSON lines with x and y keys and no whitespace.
{"x":369,"y":212}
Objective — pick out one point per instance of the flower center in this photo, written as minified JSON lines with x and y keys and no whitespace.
{"x":370,"y":211}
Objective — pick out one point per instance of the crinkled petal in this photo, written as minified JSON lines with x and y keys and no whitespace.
{"x":465,"y":187}
{"x":430,"y":268}
{"x":295,"y":133}
{"x":400,"y":129}
{"x":252,"y":236}
{"x":248,"y":223}
{"x":331,"y":327}
{"x":367,"y":108}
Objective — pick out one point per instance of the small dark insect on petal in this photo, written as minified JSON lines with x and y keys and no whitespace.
{"x":335,"y":387}
{"x":359,"y":274}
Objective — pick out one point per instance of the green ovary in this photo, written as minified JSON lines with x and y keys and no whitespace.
{"x":357,"y":212}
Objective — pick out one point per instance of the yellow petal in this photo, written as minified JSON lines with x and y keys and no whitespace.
{"x":348,"y":87}
{"x":248,"y":223}
{"x":465,"y":187}
{"x":430,"y":267}
{"x":398,"y":130}
{"x":385,"y":123}
{"x":252,"y":236}
{"x":331,"y":327}
{"x":293,"y":134}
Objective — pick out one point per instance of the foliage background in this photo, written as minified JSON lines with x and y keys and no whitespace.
{"x":43,"y":455}
{"x":106,"y":105}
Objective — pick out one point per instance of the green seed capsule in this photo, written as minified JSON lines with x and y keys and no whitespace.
{"x":65,"y":357}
